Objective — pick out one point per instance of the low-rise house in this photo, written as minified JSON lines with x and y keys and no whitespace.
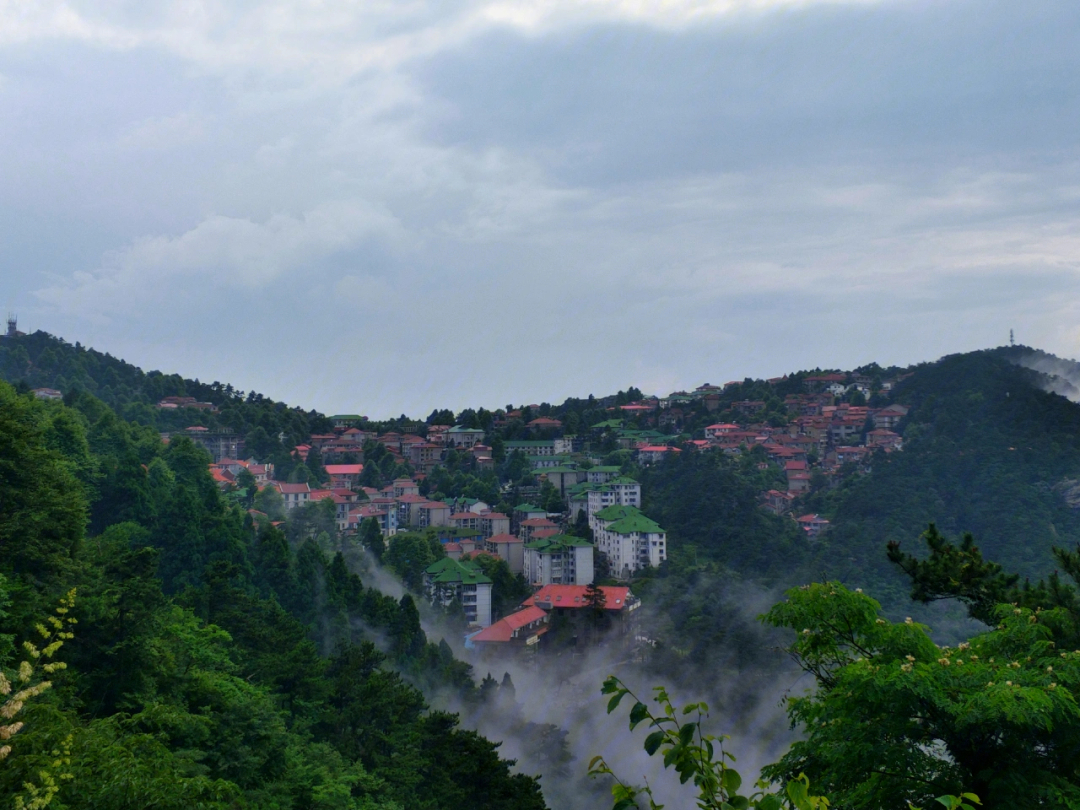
{"x":884,"y":438}
{"x":813,"y":525}
{"x":405,"y":486}
{"x":384,"y":514}
{"x":720,"y":429}
{"x":46,"y":393}
{"x":545,"y":423}
{"x":777,"y":502}
{"x":558,"y":559}
{"x":650,"y":454}
{"x":459,"y":436}
{"x":518,"y":631}
{"x":797,"y":483}
{"x":448,"y":580}
{"x":570,"y":604}
{"x":464,"y":520}
{"x":344,"y":476}
{"x":348,"y":420}
{"x":294,"y":494}
{"x":888,"y":418}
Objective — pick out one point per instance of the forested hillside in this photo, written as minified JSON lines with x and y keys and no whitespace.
{"x":211,"y":664}
{"x":986,"y":450}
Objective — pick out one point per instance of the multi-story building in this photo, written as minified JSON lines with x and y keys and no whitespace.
{"x":560,"y":560}
{"x":508,"y":547}
{"x":462,"y":580}
{"x":621,"y":491}
{"x":631,"y":543}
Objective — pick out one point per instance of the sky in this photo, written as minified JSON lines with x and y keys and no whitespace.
{"x":390,"y":207}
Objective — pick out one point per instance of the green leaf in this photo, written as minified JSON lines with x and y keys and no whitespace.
{"x":638,"y":713}
{"x":769,"y":802}
{"x":739,"y":802}
{"x":614,"y":702}
{"x":730,"y":781}
{"x":686,"y":733}
{"x":653,"y":741}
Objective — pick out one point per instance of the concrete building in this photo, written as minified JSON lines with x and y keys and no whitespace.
{"x":449,"y":579}
{"x":560,"y":560}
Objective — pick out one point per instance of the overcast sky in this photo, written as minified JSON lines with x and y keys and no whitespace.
{"x":391,"y":206}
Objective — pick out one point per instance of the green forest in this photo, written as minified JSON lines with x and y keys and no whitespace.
{"x":207,"y":663}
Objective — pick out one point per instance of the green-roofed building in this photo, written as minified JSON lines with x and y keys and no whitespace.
{"x":610,"y":514}
{"x":610,"y":424}
{"x":347,"y":420}
{"x":559,"y":560}
{"x":459,"y":436}
{"x":618,"y":491}
{"x":447,"y":580}
{"x":630,"y":540}
{"x":562,"y":477}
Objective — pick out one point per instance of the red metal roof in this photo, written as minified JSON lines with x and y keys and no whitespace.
{"x":573,"y":596}
{"x":503,"y":630}
{"x":344,"y":469}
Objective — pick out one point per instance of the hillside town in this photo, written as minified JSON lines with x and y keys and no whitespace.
{"x":590,"y":525}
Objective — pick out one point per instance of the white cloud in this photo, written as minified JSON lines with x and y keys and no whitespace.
{"x":227,"y":251}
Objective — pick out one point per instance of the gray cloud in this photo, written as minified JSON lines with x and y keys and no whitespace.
{"x":399,"y":207}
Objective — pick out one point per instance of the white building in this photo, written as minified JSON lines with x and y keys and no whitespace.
{"x":559,"y":560}
{"x":631,"y":542}
{"x":449,"y":579}
{"x":621,"y":491}
{"x":294,"y":494}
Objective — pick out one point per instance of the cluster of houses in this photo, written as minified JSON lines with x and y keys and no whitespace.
{"x":820,"y":434}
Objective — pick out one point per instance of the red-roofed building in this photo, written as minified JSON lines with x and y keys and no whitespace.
{"x":570,"y":603}
{"x":545,"y":423}
{"x":813,"y":525}
{"x":528,"y":528}
{"x":344,"y":476}
{"x":616,"y":597}
{"x":884,"y":438}
{"x":713,"y":431}
{"x":519,"y":631}
{"x":650,"y":453}
{"x":777,"y":502}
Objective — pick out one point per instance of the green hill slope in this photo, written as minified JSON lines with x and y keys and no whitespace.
{"x":988,"y":449}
